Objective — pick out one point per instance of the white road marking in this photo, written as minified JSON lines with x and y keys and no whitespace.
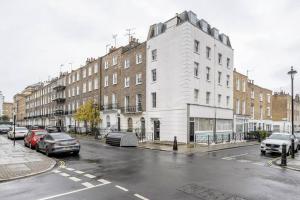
{"x":259,"y":163}
{"x":75,"y":179}
{"x":140,"y":196}
{"x":56,"y":171}
{"x":67,"y":193}
{"x":62,"y":166}
{"x":64,"y":174}
{"x":88,"y":185}
{"x":79,"y":172}
{"x":90,"y":176}
{"x":228,"y":158}
{"x":104,"y":182}
{"x":70,"y":169}
{"x":244,"y":161}
{"x":121,"y":188}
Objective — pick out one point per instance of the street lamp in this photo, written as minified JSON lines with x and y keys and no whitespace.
{"x":14,"y":128}
{"x":292,"y":74}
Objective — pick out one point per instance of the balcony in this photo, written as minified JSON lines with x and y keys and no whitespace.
{"x":60,"y":99}
{"x":132,"y":109}
{"x":108,"y":107}
{"x":59,"y":112}
{"x":59,"y":87}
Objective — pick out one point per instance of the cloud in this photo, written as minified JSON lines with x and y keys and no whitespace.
{"x":36,"y":37}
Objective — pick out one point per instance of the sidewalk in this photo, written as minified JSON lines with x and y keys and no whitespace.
{"x":19,"y":161}
{"x":293,"y":164}
{"x":198,"y":148}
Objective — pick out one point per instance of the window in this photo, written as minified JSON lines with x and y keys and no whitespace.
{"x":269,"y":98}
{"x":237,"y":84}
{"x":107,"y":121}
{"x":90,"y":86}
{"x":219,"y":99}
{"x":227,"y":101}
{"x":196,"y":69}
{"x":90,"y":71}
{"x":252,"y":111}
{"x":228,"y":63}
{"x":73,"y":91}
{"x":237,"y":106}
{"x":139,"y":102}
{"x":84,"y":88}
{"x":207,"y":97}
{"x":261,"y":112}
{"x":77,"y":90}
{"x":196,"y":46}
{"x":127,"y":81}
{"x":268,"y":111}
{"x":138,"y":79}
{"x":252,"y":94}
{"x":96,"y":68}
{"x":105,"y":100}
{"x":96,"y":84}
{"x":153,"y":71}
{"x":244,"y":107}
{"x":78,"y":76}
{"x":138,"y":58}
{"x":207,"y":73}
{"x":220,"y":58}
{"x":106,"y":64}
{"x":83,"y":73}
{"x":126,"y":63}
{"x":244,"y":86}
{"x":196,"y":95}
{"x":105,"y":81}
{"x":126,"y":102}
{"x":74,"y":77}
{"x":114,"y":60}
{"x":207,"y":52}
{"x":260,"y":97}
{"x":113,"y":100}
{"x":219,"y":77}
{"x":153,"y":95}
{"x":154,"y":54}
{"x":228,"y":81}
{"x":115,"y":78}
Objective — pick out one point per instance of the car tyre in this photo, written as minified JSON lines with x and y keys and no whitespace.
{"x":37,"y":148}
{"x":75,"y":153}
{"x":263,"y":152}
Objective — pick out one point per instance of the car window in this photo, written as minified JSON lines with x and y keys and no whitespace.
{"x":40,"y":132}
{"x":48,"y":137}
{"x":21,"y":129}
{"x":61,"y":136}
{"x":280,"y":137}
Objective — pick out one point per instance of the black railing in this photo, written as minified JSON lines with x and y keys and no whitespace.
{"x":60,"y":99}
{"x":132,"y":109}
{"x":107,"y":107}
{"x":59,"y":87}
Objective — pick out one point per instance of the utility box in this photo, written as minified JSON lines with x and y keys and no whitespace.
{"x":122,"y":139}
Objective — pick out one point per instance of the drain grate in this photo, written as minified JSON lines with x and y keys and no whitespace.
{"x":207,"y":193}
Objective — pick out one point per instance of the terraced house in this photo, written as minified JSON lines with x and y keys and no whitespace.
{"x":123,"y":87}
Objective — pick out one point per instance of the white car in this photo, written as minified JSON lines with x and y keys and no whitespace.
{"x":19,"y":133}
{"x":273,"y":144}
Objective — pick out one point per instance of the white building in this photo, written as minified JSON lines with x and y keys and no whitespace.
{"x":189,"y":80}
{"x":1,"y":104}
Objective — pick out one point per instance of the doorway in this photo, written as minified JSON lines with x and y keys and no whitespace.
{"x":130,"y":125}
{"x":156,"y":130}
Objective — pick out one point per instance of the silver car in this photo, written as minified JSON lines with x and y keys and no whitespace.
{"x":20,"y":132}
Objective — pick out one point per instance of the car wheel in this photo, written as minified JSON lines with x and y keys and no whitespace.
{"x":75,"y":153}
{"x":47,"y":152}
{"x":37,"y":148}
{"x":263,"y":152}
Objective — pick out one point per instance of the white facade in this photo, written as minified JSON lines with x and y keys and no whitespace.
{"x":1,"y":104}
{"x":186,"y":100}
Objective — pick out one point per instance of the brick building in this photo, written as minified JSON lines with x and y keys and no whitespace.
{"x":8,"y":110}
{"x":123,"y":72}
{"x":282,"y":112}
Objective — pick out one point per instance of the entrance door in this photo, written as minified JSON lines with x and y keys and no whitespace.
{"x":143,"y":128}
{"x":192,"y":131}
{"x":156,"y":130}
{"x":130,"y":125}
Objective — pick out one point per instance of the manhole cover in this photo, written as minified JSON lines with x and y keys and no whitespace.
{"x":207,"y":193}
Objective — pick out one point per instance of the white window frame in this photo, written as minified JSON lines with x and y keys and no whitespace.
{"x":106,"y":81}
{"x":127,"y":82}
{"x":114,"y":60}
{"x":138,"y":79}
{"x":196,"y":69}
{"x":138,"y":58}
{"x":126,"y":63}
{"x":106,"y":64}
{"x":115,"y":78}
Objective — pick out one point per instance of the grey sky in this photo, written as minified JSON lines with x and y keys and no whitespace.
{"x":37,"y":36}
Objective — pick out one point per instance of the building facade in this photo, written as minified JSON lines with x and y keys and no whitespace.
{"x":8,"y":110}
{"x":189,"y":80}
{"x":123,"y":86}
{"x":1,"y":103}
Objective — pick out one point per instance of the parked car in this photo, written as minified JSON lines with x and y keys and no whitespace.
{"x":53,"y":129}
{"x":20,"y":132}
{"x":273,"y":144}
{"x":33,"y":136}
{"x":4,"y":128}
{"x":122,"y":139}
{"x":57,"y":143}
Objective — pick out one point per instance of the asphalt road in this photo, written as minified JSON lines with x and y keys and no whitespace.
{"x":103,"y":172}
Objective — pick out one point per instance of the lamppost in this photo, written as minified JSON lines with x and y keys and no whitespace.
{"x":14,"y":128}
{"x":292,"y":74}
{"x":94,"y":121}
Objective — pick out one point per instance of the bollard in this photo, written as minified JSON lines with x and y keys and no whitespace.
{"x":208,"y":139}
{"x":283,"y":155}
{"x":293,"y":149}
{"x":175,"y":147}
{"x":222,"y":138}
{"x":229,"y":137}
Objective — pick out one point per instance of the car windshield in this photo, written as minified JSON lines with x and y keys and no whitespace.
{"x":40,"y":132}
{"x":61,"y":136}
{"x":21,"y":129}
{"x":279,"y":137}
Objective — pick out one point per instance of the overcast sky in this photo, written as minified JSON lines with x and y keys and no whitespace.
{"x":36,"y":36}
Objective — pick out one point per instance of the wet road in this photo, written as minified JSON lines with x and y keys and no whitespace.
{"x":106,"y":173}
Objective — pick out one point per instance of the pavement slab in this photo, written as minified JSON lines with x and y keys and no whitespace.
{"x":18,"y":161}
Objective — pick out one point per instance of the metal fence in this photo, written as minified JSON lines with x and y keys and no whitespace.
{"x":219,"y":138}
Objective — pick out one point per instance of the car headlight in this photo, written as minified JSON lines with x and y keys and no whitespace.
{"x":263,"y":144}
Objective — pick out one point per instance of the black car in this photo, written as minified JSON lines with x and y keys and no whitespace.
{"x":4,"y":128}
{"x":57,"y":143}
